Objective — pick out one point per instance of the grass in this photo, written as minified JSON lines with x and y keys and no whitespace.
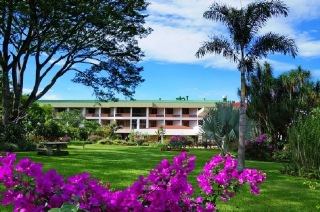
{"x":121,"y":166}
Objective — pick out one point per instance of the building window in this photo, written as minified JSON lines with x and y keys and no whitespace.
{"x":143,"y":124}
{"x":169,"y":122}
{"x":185,"y":123}
{"x":138,"y":112}
{"x":169,"y":110}
{"x":105,"y":110}
{"x":91,"y":110}
{"x":134,"y":124}
{"x":120,"y":123}
{"x":185,"y":111}
{"x":153,"y":111}
{"x":123,"y":110}
{"x":153,"y":123}
{"x":58,"y":110}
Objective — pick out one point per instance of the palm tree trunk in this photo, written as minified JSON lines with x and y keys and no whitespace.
{"x":242,"y":123}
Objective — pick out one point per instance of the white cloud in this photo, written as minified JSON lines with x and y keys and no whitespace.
{"x":26,"y":90}
{"x":180,"y":29}
{"x":60,"y":63}
{"x":309,"y":48}
{"x":50,"y":96}
{"x":316,"y":73}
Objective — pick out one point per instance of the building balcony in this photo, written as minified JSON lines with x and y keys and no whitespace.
{"x":156,"y":115}
{"x":189,"y":116}
{"x":139,"y":115}
{"x":106,"y":115}
{"x":122,"y":114}
{"x":91,"y":115}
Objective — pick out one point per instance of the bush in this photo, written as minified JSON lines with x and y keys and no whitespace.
{"x":94,"y":138}
{"x":119,"y":142}
{"x":259,"y":148}
{"x":130,"y":143}
{"x":10,"y":147}
{"x":105,"y":141}
{"x":304,"y":143}
{"x":28,"y":188}
{"x":158,"y":145}
{"x":281,"y":155}
{"x":178,"y":141}
{"x":27,"y":146}
{"x":79,"y":143}
{"x":12,"y":133}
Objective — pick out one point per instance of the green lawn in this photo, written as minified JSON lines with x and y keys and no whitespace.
{"x":121,"y":166}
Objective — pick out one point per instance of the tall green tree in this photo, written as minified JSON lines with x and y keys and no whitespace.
{"x":245,"y":45}
{"x":72,"y":118}
{"x":273,"y":102}
{"x":95,"y":39}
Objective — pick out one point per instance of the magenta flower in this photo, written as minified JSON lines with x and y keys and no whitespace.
{"x":165,"y":188}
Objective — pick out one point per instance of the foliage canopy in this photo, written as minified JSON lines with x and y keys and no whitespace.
{"x":47,"y":39}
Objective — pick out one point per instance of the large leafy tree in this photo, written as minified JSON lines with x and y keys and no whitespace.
{"x":46,"y":39}
{"x":245,"y":45}
{"x":72,"y":118}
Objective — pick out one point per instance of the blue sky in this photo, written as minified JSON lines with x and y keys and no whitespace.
{"x":171,"y":68}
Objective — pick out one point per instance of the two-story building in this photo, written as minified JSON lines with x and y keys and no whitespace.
{"x":178,"y":117}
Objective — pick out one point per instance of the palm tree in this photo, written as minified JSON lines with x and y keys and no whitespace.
{"x":245,"y":46}
{"x":222,"y":125}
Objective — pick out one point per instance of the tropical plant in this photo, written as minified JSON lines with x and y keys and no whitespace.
{"x":304,"y":143}
{"x":37,"y":115}
{"x":222,"y":125}
{"x":273,"y":104}
{"x":72,"y":118}
{"x":49,"y":131}
{"x":91,"y":126}
{"x":58,"y":38}
{"x":245,"y":45}
{"x":259,"y":148}
{"x":28,"y":188}
{"x":178,"y":141}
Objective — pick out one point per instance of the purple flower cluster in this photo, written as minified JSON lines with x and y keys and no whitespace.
{"x":178,"y":141}
{"x":220,"y":178}
{"x":178,"y":138}
{"x":166,"y":187}
{"x":261,"y":139}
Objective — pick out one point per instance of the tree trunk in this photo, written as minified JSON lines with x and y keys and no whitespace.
{"x":242,"y":123}
{"x":6,"y":97}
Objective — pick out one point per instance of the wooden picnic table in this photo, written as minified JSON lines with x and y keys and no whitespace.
{"x":50,"y":146}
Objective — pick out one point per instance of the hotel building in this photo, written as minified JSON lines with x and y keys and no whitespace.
{"x":178,"y":117}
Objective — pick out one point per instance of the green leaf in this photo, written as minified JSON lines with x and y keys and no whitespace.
{"x":66,"y":207}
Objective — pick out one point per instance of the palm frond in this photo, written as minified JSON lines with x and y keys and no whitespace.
{"x":257,"y":13}
{"x":272,"y":43}
{"x":218,"y":46}
{"x":218,"y":12}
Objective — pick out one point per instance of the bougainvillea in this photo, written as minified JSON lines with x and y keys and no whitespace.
{"x":259,"y":148}
{"x":166,"y":187}
{"x":178,"y":141}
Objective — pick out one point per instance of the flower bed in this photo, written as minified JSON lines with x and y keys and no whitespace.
{"x":166,"y":188}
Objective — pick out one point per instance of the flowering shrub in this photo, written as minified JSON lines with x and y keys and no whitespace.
{"x":166,"y":188}
{"x":220,"y":178}
{"x":178,"y":141}
{"x":259,"y":148}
